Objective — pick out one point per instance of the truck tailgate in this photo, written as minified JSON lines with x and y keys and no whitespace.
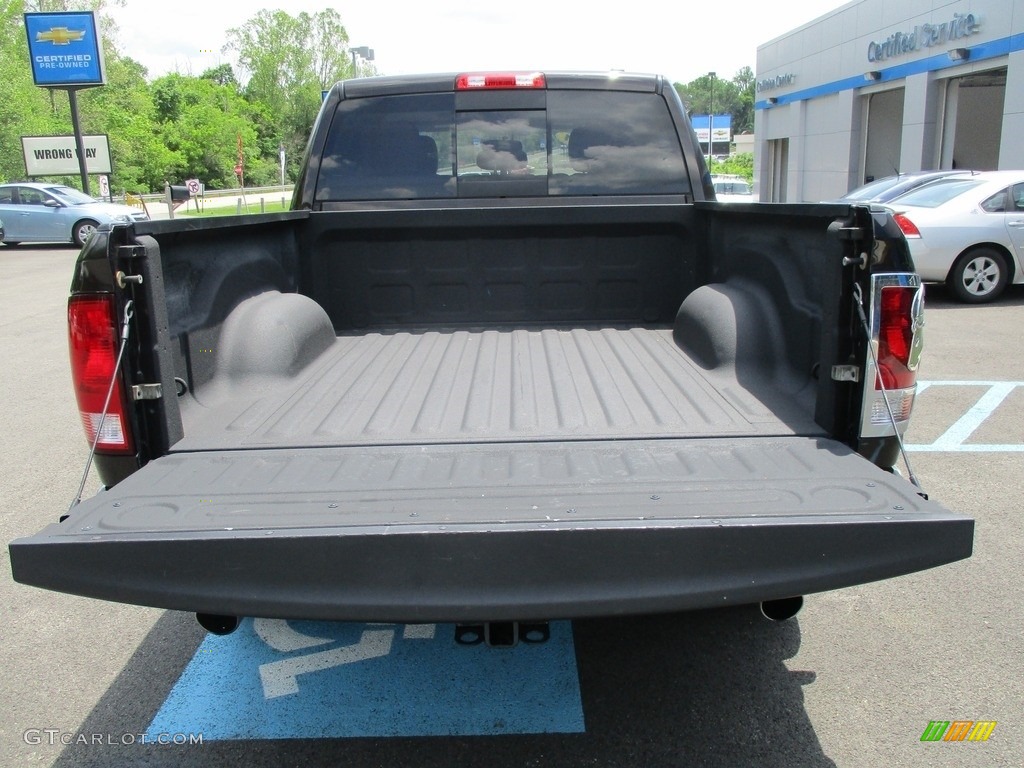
{"x":477,"y":532}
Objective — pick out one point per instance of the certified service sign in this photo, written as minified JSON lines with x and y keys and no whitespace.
{"x":65,"y":49}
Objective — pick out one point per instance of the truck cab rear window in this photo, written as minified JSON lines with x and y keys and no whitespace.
{"x":419,"y":147}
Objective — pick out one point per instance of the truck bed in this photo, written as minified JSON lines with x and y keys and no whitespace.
{"x":492,"y":386}
{"x":503,"y":362}
{"x":525,"y":412}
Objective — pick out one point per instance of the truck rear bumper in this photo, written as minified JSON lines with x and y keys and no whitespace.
{"x":493,"y":532}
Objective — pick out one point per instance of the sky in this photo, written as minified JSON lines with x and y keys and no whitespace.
{"x":681,"y":40}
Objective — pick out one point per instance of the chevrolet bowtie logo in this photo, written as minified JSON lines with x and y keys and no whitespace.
{"x":60,"y":36}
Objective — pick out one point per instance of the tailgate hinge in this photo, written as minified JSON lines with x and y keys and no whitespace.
{"x":848,"y":229}
{"x":131,"y":252}
{"x":849,"y":233}
{"x":124,"y":253}
{"x":147,"y":391}
{"x":123,"y":279}
{"x":846,"y":373}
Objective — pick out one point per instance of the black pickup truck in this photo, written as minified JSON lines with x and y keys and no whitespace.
{"x":505,"y":360}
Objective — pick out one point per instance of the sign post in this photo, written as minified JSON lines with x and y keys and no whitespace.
{"x":65,"y":52}
{"x":240,"y":173}
{"x":195,"y":189}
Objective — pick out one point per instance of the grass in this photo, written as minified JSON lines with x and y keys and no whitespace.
{"x":270,"y":206}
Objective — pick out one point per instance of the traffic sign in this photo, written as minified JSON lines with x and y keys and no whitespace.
{"x":64,"y":49}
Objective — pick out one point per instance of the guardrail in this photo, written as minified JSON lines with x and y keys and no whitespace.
{"x":255,"y":198}
{"x":223,"y":194}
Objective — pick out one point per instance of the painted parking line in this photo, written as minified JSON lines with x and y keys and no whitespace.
{"x":954,"y":438}
{"x":273,"y":679}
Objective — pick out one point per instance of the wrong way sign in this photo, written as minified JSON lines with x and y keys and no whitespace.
{"x":58,"y":156}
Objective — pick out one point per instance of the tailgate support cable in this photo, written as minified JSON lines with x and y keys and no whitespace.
{"x":128,"y":314}
{"x":858,"y":295}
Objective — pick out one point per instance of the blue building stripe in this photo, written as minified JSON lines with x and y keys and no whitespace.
{"x":979,"y":52}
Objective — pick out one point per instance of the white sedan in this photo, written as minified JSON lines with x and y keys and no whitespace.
{"x":967,"y":232}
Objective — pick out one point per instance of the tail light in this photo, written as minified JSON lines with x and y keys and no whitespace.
{"x":896,"y":321}
{"x":93,"y":342}
{"x":908,"y":227}
{"x":499,"y":80}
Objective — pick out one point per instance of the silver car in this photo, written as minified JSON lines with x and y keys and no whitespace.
{"x":967,"y":232}
{"x":890,"y":187}
{"x":54,"y":213}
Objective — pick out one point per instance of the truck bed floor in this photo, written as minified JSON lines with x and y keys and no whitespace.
{"x":492,"y":386}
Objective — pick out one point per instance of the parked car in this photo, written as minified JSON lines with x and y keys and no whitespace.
{"x":967,"y":232}
{"x":1,"y":231}
{"x":54,"y":213}
{"x":890,"y":187}
{"x":732,"y":189}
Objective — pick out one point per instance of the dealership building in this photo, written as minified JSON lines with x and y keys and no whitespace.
{"x":877,"y":87}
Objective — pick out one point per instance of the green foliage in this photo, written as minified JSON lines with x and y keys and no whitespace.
{"x":26,"y":109}
{"x":177,"y":127}
{"x":743,"y":117}
{"x":125,"y":111}
{"x":735,"y":165}
{"x":732,"y":97}
{"x":289,"y":60}
{"x":200,"y":121}
{"x":223,"y":74}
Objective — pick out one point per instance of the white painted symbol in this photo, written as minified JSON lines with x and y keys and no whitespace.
{"x":279,"y":635}
{"x":419,"y":631}
{"x":280,"y":678}
{"x":955,"y":438}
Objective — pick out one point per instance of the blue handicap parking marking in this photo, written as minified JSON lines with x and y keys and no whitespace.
{"x":273,"y":679}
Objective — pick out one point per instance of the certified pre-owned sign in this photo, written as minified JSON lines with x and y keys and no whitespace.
{"x":65,"y":49}
{"x":57,"y":156}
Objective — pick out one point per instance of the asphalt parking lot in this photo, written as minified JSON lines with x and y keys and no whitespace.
{"x":854,"y":680}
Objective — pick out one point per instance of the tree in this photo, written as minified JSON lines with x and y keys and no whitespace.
{"x":27,"y":109}
{"x":222,"y":74}
{"x":124,"y":110}
{"x":270,"y":52}
{"x":329,"y":47}
{"x":728,"y":97}
{"x":286,"y":62}
{"x":177,"y":127}
{"x":121,"y":109}
{"x":199,"y":122}
{"x":738,"y":165}
{"x":743,"y":118}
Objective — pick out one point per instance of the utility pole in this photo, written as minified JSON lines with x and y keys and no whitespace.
{"x":711,"y":117}
{"x":362,"y":51}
